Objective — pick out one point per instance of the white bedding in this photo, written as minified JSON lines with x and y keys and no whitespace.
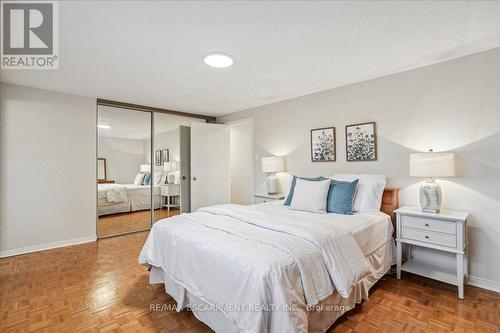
{"x":133,"y":190}
{"x":103,"y":188}
{"x":137,"y":197}
{"x":265,"y":254}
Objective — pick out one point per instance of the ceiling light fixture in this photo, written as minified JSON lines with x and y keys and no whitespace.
{"x":104,"y":126}
{"x":218,"y":59}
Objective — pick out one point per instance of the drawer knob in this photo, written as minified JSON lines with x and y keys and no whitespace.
{"x":427,"y":224}
{"x":427,"y":237}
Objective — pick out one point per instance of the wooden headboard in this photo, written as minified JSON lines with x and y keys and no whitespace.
{"x":390,"y":202}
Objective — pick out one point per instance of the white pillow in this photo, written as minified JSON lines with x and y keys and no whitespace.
{"x":156,"y":178}
{"x":369,"y":192}
{"x":369,"y":195}
{"x":310,"y":196}
{"x":349,"y":177}
{"x":138,"y":178}
{"x":372,"y":176}
{"x":345,"y":177}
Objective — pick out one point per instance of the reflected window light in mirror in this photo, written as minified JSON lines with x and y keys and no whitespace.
{"x":103,"y":126}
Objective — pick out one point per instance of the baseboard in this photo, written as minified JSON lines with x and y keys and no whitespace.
{"x":483,"y":283}
{"x":47,"y":246}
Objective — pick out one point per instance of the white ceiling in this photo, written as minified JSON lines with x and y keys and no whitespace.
{"x":151,"y":53}
{"x":129,"y":124}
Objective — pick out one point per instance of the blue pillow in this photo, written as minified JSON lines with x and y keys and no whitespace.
{"x":147,"y":179}
{"x":289,"y":198}
{"x":340,"y":197}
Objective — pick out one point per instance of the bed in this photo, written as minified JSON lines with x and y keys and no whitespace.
{"x":135,"y":197}
{"x":266,"y":268}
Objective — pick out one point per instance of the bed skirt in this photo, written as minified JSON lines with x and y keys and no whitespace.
{"x":319,"y":319}
{"x":131,"y":205}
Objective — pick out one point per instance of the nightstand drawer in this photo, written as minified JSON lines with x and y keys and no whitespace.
{"x":437,"y":238}
{"x":170,"y":190}
{"x":432,"y":225}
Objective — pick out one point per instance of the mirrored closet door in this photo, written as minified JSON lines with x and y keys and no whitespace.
{"x":143,"y":165}
{"x":124,"y":171}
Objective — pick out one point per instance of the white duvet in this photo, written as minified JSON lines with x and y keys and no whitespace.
{"x":242,"y":257}
{"x":131,"y":189}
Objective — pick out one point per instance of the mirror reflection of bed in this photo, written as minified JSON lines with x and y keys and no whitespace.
{"x":131,"y":177}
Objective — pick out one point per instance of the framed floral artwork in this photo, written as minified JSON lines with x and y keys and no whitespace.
{"x":361,"y":142}
{"x":157,"y":157}
{"x":323,"y":145}
{"x":164,"y":156}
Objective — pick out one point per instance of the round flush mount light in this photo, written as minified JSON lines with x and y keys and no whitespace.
{"x":218,"y":60}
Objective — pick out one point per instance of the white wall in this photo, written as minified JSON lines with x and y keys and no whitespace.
{"x":167,"y":140}
{"x":454,"y":105}
{"x":123,"y":158}
{"x":47,"y":169}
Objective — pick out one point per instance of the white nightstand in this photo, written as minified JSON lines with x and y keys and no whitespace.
{"x":444,"y":231}
{"x":168,"y":191}
{"x":264,"y":197}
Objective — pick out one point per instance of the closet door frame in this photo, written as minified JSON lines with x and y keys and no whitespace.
{"x":151,"y":110}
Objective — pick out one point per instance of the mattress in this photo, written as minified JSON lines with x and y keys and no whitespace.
{"x":141,"y":190}
{"x":201,"y":262}
{"x":319,"y":318}
{"x":138,"y":199}
{"x":132,"y":190}
{"x":105,"y":208}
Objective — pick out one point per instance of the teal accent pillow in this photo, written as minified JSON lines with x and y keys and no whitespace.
{"x":147,"y":179}
{"x":341,"y":196}
{"x":289,"y":198}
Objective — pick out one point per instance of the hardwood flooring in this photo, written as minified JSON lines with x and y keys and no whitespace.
{"x":100,"y":287}
{"x":115,"y":224}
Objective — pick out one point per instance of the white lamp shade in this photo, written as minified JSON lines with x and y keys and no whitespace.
{"x":273,"y":164}
{"x":145,"y":168}
{"x":171,"y":166}
{"x":432,"y":165}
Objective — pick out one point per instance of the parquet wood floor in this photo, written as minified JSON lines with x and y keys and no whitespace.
{"x":114,"y":224}
{"x":100,"y":287}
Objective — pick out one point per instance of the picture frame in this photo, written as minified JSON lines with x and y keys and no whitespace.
{"x":158,"y":158}
{"x":361,"y":142}
{"x":323,"y":144}
{"x":164,"y":156}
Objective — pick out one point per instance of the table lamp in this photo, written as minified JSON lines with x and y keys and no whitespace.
{"x":271,"y":165}
{"x":171,"y":169}
{"x":431,"y":165}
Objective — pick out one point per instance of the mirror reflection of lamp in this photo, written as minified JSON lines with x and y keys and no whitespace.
{"x":172,"y":168}
{"x":431,"y":165}
{"x":271,"y":165}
